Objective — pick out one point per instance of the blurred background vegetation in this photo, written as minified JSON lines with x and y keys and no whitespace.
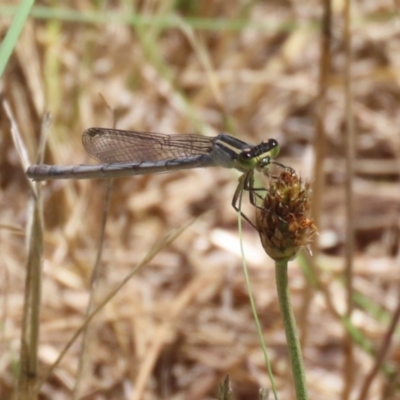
{"x":251,"y":69}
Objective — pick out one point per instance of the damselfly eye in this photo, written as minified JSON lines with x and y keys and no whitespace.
{"x":274,"y":148}
{"x":247,"y":154}
{"x":272,"y":143}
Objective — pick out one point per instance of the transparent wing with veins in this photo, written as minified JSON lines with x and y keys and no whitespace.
{"x":113,"y":146}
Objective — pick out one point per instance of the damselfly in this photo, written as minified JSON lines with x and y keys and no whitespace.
{"x":126,"y":153}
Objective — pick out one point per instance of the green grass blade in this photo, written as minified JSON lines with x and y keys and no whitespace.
{"x":164,"y":21}
{"x":252,"y":303}
{"x":13,"y":33}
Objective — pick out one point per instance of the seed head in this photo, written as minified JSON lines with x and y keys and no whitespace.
{"x":283,"y":219}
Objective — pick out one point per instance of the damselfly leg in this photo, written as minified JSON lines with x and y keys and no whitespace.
{"x":246,"y":183}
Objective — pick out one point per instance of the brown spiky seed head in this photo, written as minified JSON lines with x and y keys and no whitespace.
{"x":283,"y":219}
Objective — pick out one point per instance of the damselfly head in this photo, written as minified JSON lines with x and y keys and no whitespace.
{"x":268,"y":149}
{"x":259,"y":156}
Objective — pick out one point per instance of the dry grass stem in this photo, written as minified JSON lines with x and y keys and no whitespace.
{"x":258,"y":70}
{"x":348,"y":365}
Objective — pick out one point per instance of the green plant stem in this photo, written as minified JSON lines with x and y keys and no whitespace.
{"x":292,"y":337}
{"x":253,"y":305}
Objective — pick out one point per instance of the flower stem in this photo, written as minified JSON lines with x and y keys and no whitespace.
{"x":289,"y":323}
